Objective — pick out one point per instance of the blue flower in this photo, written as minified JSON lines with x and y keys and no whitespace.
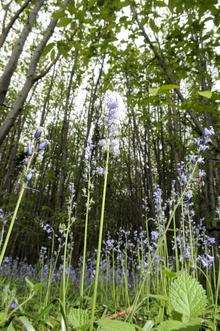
{"x":206,"y":260}
{"x":43,"y":145}
{"x":100,"y":171}
{"x":37,"y":133}
{"x":154,"y":235}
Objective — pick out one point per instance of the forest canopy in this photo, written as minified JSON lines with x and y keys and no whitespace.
{"x":109,"y":130}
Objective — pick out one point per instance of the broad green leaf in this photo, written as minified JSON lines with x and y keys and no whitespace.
{"x":64,"y":21}
{"x":28,"y":326}
{"x":114,"y":325}
{"x":206,"y":94}
{"x":3,"y":316}
{"x":172,"y":325}
{"x":78,"y":318}
{"x":58,"y":14}
{"x":187,"y":296}
{"x":10,"y":327}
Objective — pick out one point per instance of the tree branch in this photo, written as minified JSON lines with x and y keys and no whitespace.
{"x":169,"y":76}
{"x":6,"y":29}
{"x":47,"y":69}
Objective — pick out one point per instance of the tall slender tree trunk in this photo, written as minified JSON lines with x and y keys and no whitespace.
{"x":7,"y":28}
{"x":64,"y":140}
{"x":31,"y":78}
{"x":16,"y":52}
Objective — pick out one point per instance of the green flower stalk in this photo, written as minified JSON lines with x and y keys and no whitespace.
{"x":14,"y":216}
{"x":85,"y":237}
{"x":101,"y":224}
{"x":30,"y":151}
{"x":114,"y":114}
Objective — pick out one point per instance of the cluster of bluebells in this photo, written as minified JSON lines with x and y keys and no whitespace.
{"x":51,"y":233}
{"x":17,"y":269}
{"x":38,"y":146}
{"x":14,"y":268}
{"x":159,"y":209}
{"x":114,"y":115}
{"x":203,"y":244}
{"x":203,"y":142}
{"x":89,"y":149}
{"x":128,"y":253}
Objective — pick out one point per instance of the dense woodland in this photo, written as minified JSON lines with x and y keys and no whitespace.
{"x":58,"y":61}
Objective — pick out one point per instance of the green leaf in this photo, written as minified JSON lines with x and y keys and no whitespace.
{"x":148,"y":326}
{"x":29,"y":284}
{"x":71,"y":8}
{"x":206,"y":94}
{"x":64,"y":21}
{"x":78,"y":318}
{"x":63,"y":48}
{"x":52,"y":54}
{"x":3,"y":316}
{"x":153,"y":26}
{"x":58,"y":14}
{"x":114,"y":325}
{"x":164,"y":88}
{"x":168,"y":87}
{"x":33,"y":287}
{"x":10,"y":327}
{"x":48,"y":48}
{"x":154,"y":90}
{"x":28,"y":326}
{"x":172,"y":325}
{"x":168,"y":273}
{"x":187,"y":296}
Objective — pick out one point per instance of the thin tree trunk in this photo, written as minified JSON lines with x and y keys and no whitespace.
{"x":169,"y":76}
{"x":31,"y":78}
{"x":64,"y":140}
{"x":7,"y":28}
{"x":16,"y":52}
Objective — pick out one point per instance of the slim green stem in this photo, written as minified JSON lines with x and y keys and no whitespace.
{"x":11,"y":224}
{"x":14,"y":214}
{"x":100,"y":241}
{"x":85,"y":239}
{"x":160,"y":242}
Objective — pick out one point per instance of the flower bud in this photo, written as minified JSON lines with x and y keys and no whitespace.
{"x":29,"y":175}
{"x":28,"y":149}
{"x":42,"y":146}
{"x":38,"y":133}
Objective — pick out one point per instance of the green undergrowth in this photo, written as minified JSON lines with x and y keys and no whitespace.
{"x":182,"y":305}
